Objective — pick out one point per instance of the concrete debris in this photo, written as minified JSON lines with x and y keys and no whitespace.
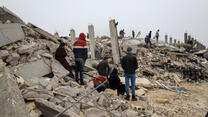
{"x":49,"y":109}
{"x":12,"y":102}
{"x":6,"y":14}
{"x":10,"y":33}
{"x":36,"y":77}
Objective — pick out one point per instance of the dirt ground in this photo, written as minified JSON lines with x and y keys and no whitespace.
{"x":165,"y":103}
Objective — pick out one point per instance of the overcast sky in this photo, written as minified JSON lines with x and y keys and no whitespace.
{"x":172,"y":17}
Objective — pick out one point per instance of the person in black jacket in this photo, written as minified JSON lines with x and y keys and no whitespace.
{"x":103,"y":67}
{"x":60,"y":56}
{"x":115,"y":82}
{"x":129,"y":65}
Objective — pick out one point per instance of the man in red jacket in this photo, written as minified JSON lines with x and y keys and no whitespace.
{"x":60,"y":56}
{"x":80,"y":54}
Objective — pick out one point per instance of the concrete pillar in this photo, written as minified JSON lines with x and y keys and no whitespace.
{"x":171,"y":40}
{"x":174,"y":41}
{"x":166,"y":38}
{"x":185,"y":37}
{"x":189,"y":37}
{"x":92,"y":40}
{"x":114,"y":42}
{"x":73,"y":37}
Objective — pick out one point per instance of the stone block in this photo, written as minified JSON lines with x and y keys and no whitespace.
{"x":11,"y":100}
{"x":33,"y":69}
{"x":10,"y":33}
{"x":49,"y":109}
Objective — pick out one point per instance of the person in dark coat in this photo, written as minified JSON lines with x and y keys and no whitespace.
{"x":129,"y":65}
{"x":115,"y":82}
{"x":148,"y":41}
{"x":103,"y":67}
{"x":150,"y":34}
{"x":80,"y":54}
{"x":133,"y":33}
{"x":60,"y":56}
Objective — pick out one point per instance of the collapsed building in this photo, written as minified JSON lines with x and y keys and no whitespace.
{"x":34,"y":84}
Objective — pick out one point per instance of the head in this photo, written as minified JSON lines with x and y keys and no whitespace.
{"x":150,"y":31}
{"x":62,"y":44}
{"x":129,"y":50}
{"x":107,"y":58}
{"x":82,"y":36}
{"x":158,"y":30}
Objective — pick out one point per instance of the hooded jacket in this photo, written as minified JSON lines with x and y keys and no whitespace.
{"x":80,"y":47}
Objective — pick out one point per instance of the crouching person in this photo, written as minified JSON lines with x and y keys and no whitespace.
{"x":115,"y":82}
{"x":103,"y":71}
{"x":101,"y":82}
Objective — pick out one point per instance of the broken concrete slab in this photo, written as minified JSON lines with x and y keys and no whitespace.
{"x":13,"y":59}
{"x":43,"y":33}
{"x":4,"y":54}
{"x":6,"y":14}
{"x":67,"y":90}
{"x":57,"y":67}
{"x":94,"y":112}
{"x":10,"y":33}
{"x":11,"y":100}
{"x":33,"y":69}
{"x":49,"y":109}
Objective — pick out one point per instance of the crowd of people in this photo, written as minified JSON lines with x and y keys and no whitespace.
{"x":108,"y":76}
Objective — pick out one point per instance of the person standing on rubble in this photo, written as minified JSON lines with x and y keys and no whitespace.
{"x":129,"y":65}
{"x":148,"y":41}
{"x":133,"y":33}
{"x":60,"y":56}
{"x":157,"y":35}
{"x":80,"y":54}
{"x":150,"y":34}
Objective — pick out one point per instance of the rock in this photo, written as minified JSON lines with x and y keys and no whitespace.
{"x":6,"y":14}
{"x":35,"y":113}
{"x":140,"y":92}
{"x":2,"y":64}
{"x":103,"y":101}
{"x":35,"y":69}
{"x":68,"y":91}
{"x":13,"y":59}
{"x":162,"y":101}
{"x":4,"y":54}
{"x":44,"y":82}
{"x":143,"y":82}
{"x":33,"y":93}
{"x":10,"y":33}
{"x":130,"y":113}
{"x":47,"y":55}
{"x":49,"y":109}
{"x":94,"y":112}
{"x":26,"y":48}
{"x":12,"y":103}
{"x":58,"y":68}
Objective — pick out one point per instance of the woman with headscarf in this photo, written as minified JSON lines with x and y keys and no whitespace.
{"x":80,"y":54}
{"x":60,"y":56}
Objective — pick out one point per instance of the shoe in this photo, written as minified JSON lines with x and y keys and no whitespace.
{"x":134,"y":98}
{"x":71,"y":75}
{"x":127,"y":97}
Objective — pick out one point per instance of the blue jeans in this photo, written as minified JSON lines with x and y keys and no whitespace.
{"x":79,"y":65}
{"x":133,"y":78}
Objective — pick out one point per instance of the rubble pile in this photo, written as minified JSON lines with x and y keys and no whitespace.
{"x":34,"y":84}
